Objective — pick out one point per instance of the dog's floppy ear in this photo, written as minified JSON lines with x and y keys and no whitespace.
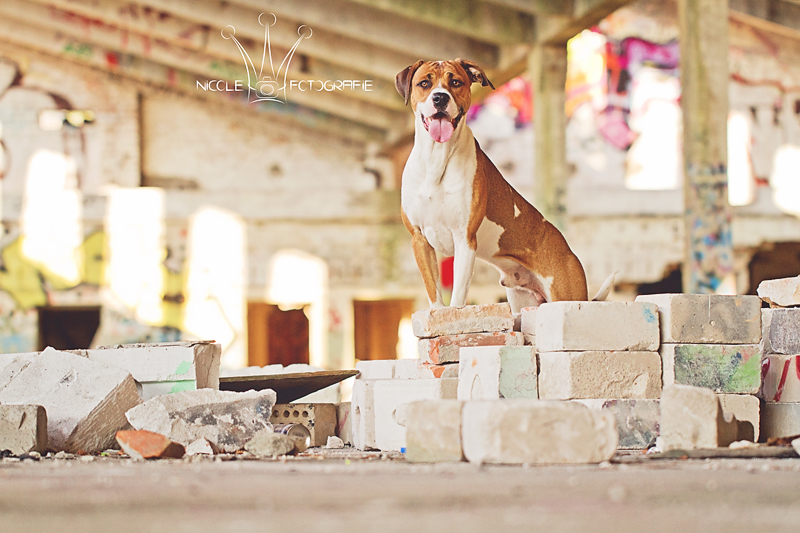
{"x":476,"y":73}
{"x":403,"y":80}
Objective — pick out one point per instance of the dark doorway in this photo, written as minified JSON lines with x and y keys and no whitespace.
{"x":275,"y":336}
{"x":777,"y":260}
{"x":68,"y":328}
{"x":376,"y":325}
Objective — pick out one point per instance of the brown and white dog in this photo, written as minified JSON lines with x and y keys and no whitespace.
{"x":455,"y":202}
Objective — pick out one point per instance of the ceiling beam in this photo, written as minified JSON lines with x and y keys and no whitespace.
{"x":197,"y":63}
{"x":57,"y":44}
{"x":486,"y":22}
{"x":201,"y":38}
{"x":557,"y":30}
{"x":786,"y":13}
{"x":537,"y":7}
{"x":324,"y":45}
{"x":378,"y":28}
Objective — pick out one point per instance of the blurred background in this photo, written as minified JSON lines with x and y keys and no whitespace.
{"x":141,"y":205}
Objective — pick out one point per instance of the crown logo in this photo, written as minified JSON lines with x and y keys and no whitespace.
{"x":266,"y":86}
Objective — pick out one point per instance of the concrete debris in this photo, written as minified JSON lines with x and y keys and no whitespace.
{"x":85,"y":401}
{"x":599,"y":374}
{"x":493,"y":372}
{"x":692,"y":417}
{"x":583,"y":326}
{"x":707,"y":318}
{"x":723,"y":368}
{"x":23,"y":429}
{"x":374,"y":406}
{"x":433,"y":431}
{"x":201,"y":447}
{"x":445,"y":349}
{"x":780,"y":331}
{"x":779,"y":420}
{"x":343,"y":428}
{"x":318,"y":418}
{"x":638,"y":421}
{"x":781,"y":378}
{"x":536,"y":432}
{"x":783,"y":292}
{"x":142,"y":444}
{"x":459,"y":320}
{"x":227,"y":419}
{"x":267,"y":443}
{"x":747,"y":410}
{"x":334,"y":443}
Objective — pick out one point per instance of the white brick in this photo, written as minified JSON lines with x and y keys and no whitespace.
{"x":783,"y":292}
{"x":747,"y":410}
{"x":362,"y":414}
{"x":343,"y":429}
{"x":723,"y":368}
{"x":378,"y":369}
{"x":445,"y":349}
{"x":602,"y":374}
{"x":536,"y":432}
{"x":417,"y":369}
{"x":433,"y":431}
{"x":85,"y":401}
{"x":637,"y":420}
{"x":528,"y":321}
{"x":780,"y":420}
{"x":780,"y":331}
{"x":457,"y":320}
{"x":492,"y":372}
{"x":584,"y":326}
{"x":692,"y":417}
{"x":781,"y":378}
{"x":707,"y":318}
{"x":23,"y":428}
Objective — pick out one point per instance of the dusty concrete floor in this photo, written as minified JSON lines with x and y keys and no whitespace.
{"x":370,"y":494}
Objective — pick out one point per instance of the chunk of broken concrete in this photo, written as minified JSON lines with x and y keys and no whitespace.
{"x":783,"y":292}
{"x":143,"y":444}
{"x":267,"y":443}
{"x":23,"y":428}
{"x":334,"y":443}
{"x":227,"y":419}
{"x":536,"y":432}
{"x":85,"y":401}
{"x":201,"y":447}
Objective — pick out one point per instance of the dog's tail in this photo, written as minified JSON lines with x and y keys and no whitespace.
{"x":602,"y":294}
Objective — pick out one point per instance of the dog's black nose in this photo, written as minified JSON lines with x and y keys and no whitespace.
{"x":441,"y":99}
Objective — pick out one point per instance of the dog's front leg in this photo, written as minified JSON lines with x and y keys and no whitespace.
{"x":428,"y":267}
{"x":463,"y":264}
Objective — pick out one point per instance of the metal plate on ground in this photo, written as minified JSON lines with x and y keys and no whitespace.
{"x":288,"y":387}
{"x":755,"y":452}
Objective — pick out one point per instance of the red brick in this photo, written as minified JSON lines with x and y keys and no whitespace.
{"x":444,"y":349}
{"x":143,"y":444}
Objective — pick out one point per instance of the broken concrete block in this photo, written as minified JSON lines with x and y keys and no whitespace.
{"x":164,"y":368}
{"x":747,"y":410}
{"x":267,"y":443}
{"x":85,"y":401}
{"x":583,"y":326}
{"x":723,"y":368}
{"x":781,"y":378}
{"x":457,"y":320}
{"x":692,"y":417}
{"x":637,"y":420}
{"x":536,"y":432}
{"x":23,"y":429}
{"x":530,"y":340}
{"x":378,"y":369}
{"x":417,"y":369}
{"x":606,"y":374}
{"x":318,"y":418}
{"x":374,"y":406}
{"x":779,"y":420}
{"x":201,"y":447}
{"x":334,"y":443}
{"x":528,"y":321}
{"x":433,"y":431}
{"x":343,"y":428}
{"x":707,"y":318}
{"x":492,"y":372}
{"x":780,"y":331}
{"x":227,"y":419}
{"x":142,"y":444}
{"x":783,"y":292}
{"x":445,"y":349}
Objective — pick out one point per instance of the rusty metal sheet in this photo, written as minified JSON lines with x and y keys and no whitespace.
{"x":288,"y":387}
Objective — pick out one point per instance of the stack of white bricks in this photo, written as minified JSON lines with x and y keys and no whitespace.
{"x":781,"y":366}
{"x":605,"y":356}
{"x":712,"y":341}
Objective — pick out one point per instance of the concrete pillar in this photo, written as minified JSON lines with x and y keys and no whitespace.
{"x":547,"y":65}
{"x":708,"y":260}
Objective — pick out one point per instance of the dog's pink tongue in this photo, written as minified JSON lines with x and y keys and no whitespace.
{"x":440,"y":129}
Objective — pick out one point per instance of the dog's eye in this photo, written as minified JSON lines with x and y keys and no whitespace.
{"x":424,"y":84}
{"x":456,"y":83}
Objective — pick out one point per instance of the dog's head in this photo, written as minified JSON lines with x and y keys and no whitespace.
{"x":439,"y":92}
